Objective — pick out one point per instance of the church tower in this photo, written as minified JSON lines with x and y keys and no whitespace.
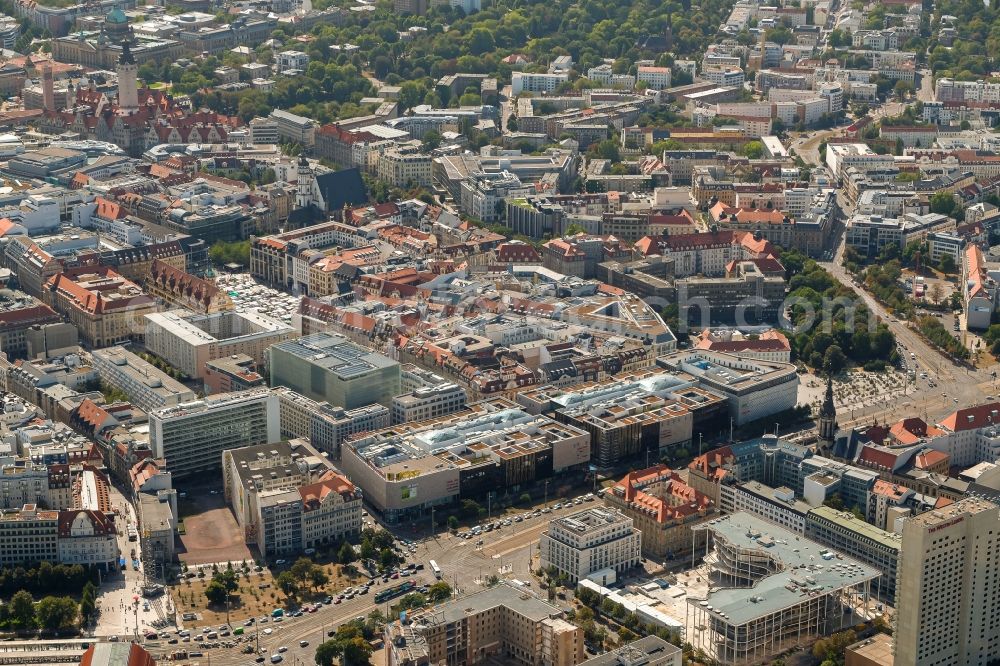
{"x":48,"y":92}
{"x":128,"y":81}
{"x":304,"y":196}
{"x":827,"y":419}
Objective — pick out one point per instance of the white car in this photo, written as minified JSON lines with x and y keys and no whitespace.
{"x":267,"y":632}
{"x":283,"y":649}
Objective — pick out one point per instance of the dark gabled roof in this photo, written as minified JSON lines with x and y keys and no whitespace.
{"x":559,"y":368}
{"x":304,"y":217}
{"x":340,"y":188}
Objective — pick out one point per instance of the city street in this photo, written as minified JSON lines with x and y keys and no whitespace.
{"x":122,"y":610}
{"x":955,"y":385}
{"x":464,"y":565}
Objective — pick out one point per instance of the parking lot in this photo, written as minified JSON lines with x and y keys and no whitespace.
{"x":211,"y":533}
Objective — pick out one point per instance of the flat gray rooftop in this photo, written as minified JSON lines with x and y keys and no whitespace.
{"x":807,"y":569}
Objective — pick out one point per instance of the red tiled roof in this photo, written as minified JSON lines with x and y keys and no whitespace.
{"x":877,"y":458}
{"x":711,"y":463}
{"x":314,"y":493}
{"x":972,"y":418}
{"x":930,"y":458}
{"x":671,"y":500}
{"x":102,"y":522}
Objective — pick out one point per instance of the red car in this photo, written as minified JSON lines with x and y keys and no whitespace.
{"x":394,"y":576}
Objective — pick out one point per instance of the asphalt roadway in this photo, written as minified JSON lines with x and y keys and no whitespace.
{"x":464,"y":566}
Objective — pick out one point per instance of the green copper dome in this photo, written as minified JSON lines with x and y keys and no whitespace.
{"x":117,"y":16}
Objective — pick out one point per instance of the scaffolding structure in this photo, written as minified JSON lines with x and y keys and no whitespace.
{"x":770,"y":590}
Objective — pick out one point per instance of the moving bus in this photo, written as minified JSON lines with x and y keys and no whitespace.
{"x":395,"y":591}
{"x":436,"y":569}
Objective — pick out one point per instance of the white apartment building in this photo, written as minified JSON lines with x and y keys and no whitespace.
{"x":842,"y":156}
{"x":191,"y":437}
{"x":777,"y":505}
{"x":24,"y":482}
{"x":481,"y":192}
{"x":288,"y":498}
{"x":753,"y":388}
{"x":504,"y":623}
{"x":546,"y":83}
{"x":86,"y":538}
{"x":187,"y":341}
{"x":724,"y":77}
{"x":293,"y":128}
{"x":428,"y":402}
{"x":950,"y":90}
{"x":146,"y":386}
{"x":30,"y":535}
{"x":972,"y":435}
{"x":947,"y":612}
{"x":850,"y":535}
{"x":979,"y":289}
{"x":590,"y":541}
{"x":402,"y":168}
{"x":288,"y":60}
{"x":263,"y":131}
{"x":657,"y":78}
{"x":945,"y":244}
{"x":324,"y":425}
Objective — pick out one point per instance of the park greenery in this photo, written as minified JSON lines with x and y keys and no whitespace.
{"x":595,"y":613}
{"x":222,"y":586}
{"x":304,"y":575}
{"x":377,"y":547}
{"x":840,"y":334}
{"x":334,"y":82}
{"x":350,"y":644}
{"x":51,"y":614}
{"x":935,"y":332}
{"x":230,"y":252}
{"x":45,"y":578}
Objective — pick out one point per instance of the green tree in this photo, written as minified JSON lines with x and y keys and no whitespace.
{"x":287,"y":583}
{"x":431,"y":140}
{"x":216,"y":593}
{"x":56,"y":613}
{"x":22,"y":610}
{"x":606,"y":150}
{"x":225,"y":252}
{"x":88,"y":601}
{"x":387,"y":559}
{"x":412,"y":600}
{"x":834,"y":360}
{"x":348,"y":644}
{"x":301,"y":569}
{"x":452,"y":523}
{"x":328,"y":652}
{"x":481,"y":41}
{"x":439,"y":591}
{"x":346,"y":554}
{"x":470,"y":508}
{"x":318,"y":577}
{"x":753,"y":150}
{"x":411,"y":94}
{"x":942,"y":203}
